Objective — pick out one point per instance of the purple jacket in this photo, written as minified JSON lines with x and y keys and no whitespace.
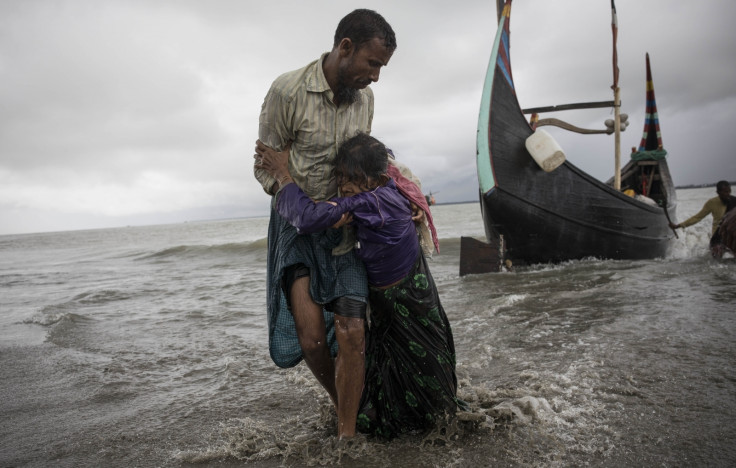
{"x":387,"y":238}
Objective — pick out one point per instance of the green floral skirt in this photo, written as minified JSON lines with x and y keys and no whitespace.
{"x":410,"y":380}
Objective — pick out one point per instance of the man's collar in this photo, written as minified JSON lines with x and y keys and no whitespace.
{"x":317,"y":83}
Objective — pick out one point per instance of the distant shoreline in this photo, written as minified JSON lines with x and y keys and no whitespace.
{"x":454,"y":203}
{"x":700,"y":185}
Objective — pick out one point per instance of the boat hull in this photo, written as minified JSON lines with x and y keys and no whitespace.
{"x":564,"y":214}
{"x":608,"y":227}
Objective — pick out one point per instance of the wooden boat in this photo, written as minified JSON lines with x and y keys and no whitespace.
{"x":534,"y":216}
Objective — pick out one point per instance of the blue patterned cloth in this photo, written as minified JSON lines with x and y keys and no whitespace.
{"x":331,"y":276}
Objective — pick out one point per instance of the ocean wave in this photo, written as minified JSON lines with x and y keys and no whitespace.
{"x":190,"y":251}
{"x":48,"y":319}
{"x":100,"y":297}
{"x":54,"y":313}
{"x":12,"y":279}
{"x":250,"y":248}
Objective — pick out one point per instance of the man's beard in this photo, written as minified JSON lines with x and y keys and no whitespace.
{"x":345,"y":94}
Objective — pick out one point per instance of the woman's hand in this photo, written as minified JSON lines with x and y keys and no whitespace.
{"x":417,"y":214}
{"x":345,"y":219}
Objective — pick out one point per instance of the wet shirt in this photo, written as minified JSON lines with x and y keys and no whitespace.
{"x":386,"y":237}
{"x":299,"y":108}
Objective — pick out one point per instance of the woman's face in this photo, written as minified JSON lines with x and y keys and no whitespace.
{"x":350,"y":188}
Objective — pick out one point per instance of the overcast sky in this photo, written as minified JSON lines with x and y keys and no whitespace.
{"x":118,"y":113}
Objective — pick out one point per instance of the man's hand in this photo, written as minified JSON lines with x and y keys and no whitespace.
{"x":274,"y":162}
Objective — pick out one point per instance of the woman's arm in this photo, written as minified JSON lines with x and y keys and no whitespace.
{"x":306,"y":215}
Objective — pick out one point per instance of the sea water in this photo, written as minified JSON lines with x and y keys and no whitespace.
{"x":147,"y":346}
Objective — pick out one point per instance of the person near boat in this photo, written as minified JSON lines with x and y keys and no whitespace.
{"x":410,"y":380}
{"x":717,"y":207}
{"x":317,"y":295}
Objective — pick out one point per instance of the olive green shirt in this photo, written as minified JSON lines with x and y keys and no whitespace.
{"x":299,"y":108}
{"x":714,"y":206}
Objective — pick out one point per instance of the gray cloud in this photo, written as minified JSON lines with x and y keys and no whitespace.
{"x":126,"y":112}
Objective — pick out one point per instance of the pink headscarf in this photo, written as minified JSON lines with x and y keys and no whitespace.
{"x":410,"y":190}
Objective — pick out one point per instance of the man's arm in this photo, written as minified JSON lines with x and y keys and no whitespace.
{"x":273,"y":131}
{"x":697,"y":217}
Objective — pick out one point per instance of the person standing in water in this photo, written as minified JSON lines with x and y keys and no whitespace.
{"x":317,"y":295}
{"x":410,"y":380}
{"x":717,"y":207}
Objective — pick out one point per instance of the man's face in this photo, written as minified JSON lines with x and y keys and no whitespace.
{"x":724,"y":194}
{"x":361,"y":67}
